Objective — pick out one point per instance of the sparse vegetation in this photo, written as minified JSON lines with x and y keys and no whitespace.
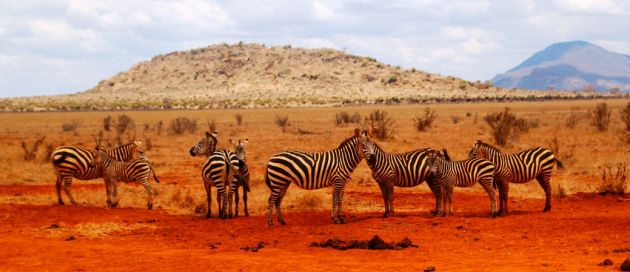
{"x":180,"y":125}
{"x":574,"y":117}
{"x":31,"y":154}
{"x":71,"y":126}
{"x":342,"y":118}
{"x":282,"y":122}
{"x":625,"y":117}
{"x":613,"y":180}
{"x":425,"y":122}
{"x":601,"y":117}
{"x":212,"y":125}
{"x":506,"y":126}
{"x":455,"y":119}
{"x":239,"y":119}
{"x":380,"y":124}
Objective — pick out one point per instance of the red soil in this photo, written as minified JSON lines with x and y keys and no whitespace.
{"x":576,"y":235}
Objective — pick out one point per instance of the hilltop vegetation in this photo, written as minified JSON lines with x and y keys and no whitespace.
{"x":254,"y":76}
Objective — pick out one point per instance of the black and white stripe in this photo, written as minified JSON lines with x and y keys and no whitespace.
{"x":219,"y":171}
{"x":462,"y":174}
{"x":70,"y":161}
{"x":113,"y":171}
{"x":312,"y":171}
{"x":391,"y":170}
{"x":521,"y":167}
{"x":239,"y":151}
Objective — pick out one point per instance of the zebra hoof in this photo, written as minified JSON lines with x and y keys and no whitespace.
{"x":282,"y":222}
{"x":60,"y":202}
{"x":150,"y":206}
{"x":342,"y":220}
{"x":246,"y":214}
{"x":208,"y":215}
{"x":385,"y":215}
{"x":547,"y":209}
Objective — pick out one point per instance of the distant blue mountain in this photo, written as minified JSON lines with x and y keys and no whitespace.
{"x":569,"y":66}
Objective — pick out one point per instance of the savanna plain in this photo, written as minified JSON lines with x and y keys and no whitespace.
{"x":582,"y":229}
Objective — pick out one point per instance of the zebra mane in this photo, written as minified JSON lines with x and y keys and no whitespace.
{"x":486,"y":145}
{"x":348,"y":141}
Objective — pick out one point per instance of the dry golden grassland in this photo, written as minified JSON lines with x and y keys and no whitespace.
{"x":583,"y":149}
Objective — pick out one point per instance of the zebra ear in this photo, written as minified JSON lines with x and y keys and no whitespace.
{"x":357,"y":131}
{"x":245,"y":142}
{"x":214,"y":134}
{"x":137,"y":142}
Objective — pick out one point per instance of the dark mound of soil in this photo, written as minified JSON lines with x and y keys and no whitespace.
{"x":376,"y":243}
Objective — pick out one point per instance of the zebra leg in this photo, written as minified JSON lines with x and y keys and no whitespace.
{"x":230,"y":196}
{"x":487,"y":185}
{"x":223,"y":200}
{"x":108,"y":191}
{"x":147,"y":186}
{"x":271,"y":201}
{"x":437,"y":190}
{"x":283,"y":192}
{"x":67,"y":183}
{"x":235,"y":191}
{"x":506,"y":190}
{"x":390,"y":198}
{"x":385,"y":200}
{"x":450,"y":200}
{"x":546,"y":185}
{"x":444,"y":196}
{"x":245,"y":201}
{"x":114,"y":184}
{"x":340,"y":215}
{"x":208,"y":187}
{"x":58,"y":189}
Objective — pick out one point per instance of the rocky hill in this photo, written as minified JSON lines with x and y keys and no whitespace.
{"x":573,"y":65}
{"x":253,"y":75}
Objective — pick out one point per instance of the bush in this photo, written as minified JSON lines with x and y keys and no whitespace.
{"x":72,"y":126}
{"x":180,"y":125}
{"x":601,"y":117}
{"x":574,"y":118}
{"x":212,"y":125}
{"x":424,"y":123}
{"x":343,"y":117}
{"x":31,"y":154}
{"x":107,"y":123}
{"x":239,"y":119}
{"x":124,"y":124}
{"x":455,"y":119}
{"x":380,"y":125}
{"x":625,"y":117}
{"x":506,"y":126}
{"x":613,"y":183}
{"x":282,"y":122}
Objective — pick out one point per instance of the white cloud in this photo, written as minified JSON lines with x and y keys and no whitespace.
{"x":70,"y":45}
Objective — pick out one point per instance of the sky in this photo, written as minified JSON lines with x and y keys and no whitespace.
{"x":67,"y":46}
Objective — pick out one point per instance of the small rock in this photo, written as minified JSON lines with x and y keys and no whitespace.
{"x":70,"y":238}
{"x":625,"y":266}
{"x":460,"y":227}
{"x":606,"y":262}
{"x":429,"y":269}
{"x":54,"y":226}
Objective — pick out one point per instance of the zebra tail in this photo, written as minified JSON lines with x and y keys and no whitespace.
{"x":559,"y":163}
{"x":154,"y":176}
{"x":267,"y":181}
{"x":494,"y":183}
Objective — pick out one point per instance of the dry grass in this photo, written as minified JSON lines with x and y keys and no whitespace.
{"x":91,"y":229}
{"x":181,"y":190}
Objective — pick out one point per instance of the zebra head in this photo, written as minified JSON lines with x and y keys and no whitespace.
{"x":205,"y":146}
{"x":478,"y":151}
{"x":434,"y":158}
{"x":137,"y":152}
{"x":239,"y":149}
{"x":367,"y":148}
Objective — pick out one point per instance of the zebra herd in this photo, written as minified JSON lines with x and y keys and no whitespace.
{"x":227,"y":171}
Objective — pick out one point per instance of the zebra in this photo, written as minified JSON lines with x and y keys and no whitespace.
{"x":215,"y":172}
{"x":461,"y":174}
{"x":313,"y":171}
{"x":519,"y":167}
{"x":205,"y":146}
{"x":407,"y":169}
{"x":239,"y":151}
{"x":70,"y":161}
{"x":138,"y":170}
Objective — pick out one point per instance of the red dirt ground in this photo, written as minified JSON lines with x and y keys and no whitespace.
{"x":579,"y":232}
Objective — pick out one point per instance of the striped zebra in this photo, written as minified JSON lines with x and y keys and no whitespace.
{"x":520,"y":167}
{"x":313,"y":171}
{"x":407,"y":169}
{"x":239,"y":151}
{"x":70,"y":161}
{"x":138,"y":170}
{"x":461,"y":174}
{"x":205,"y":146}
{"x":219,"y":171}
